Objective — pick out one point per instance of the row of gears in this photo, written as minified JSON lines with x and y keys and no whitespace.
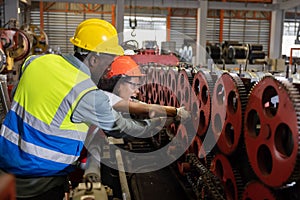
{"x":247,"y":130}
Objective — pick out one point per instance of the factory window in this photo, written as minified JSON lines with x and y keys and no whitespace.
{"x":289,"y":36}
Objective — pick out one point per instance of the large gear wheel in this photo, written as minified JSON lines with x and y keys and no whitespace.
{"x":256,"y":190}
{"x":201,"y":110}
{"x":149,"y":83}
{"x":228,"y":103}
{"x":172,"y":75}
{"x":272,"y":120}
{"x":230,"y":178}
{"x":162,"y":87}
{"x":184,"y":89}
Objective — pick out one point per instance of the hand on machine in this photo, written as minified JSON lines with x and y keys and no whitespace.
{"x":182,"y":114}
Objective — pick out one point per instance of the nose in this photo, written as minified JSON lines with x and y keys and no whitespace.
{"x":136,"y":92}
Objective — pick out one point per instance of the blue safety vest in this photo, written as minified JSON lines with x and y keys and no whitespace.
{"x":37,"y":137}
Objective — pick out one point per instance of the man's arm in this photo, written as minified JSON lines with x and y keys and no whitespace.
{"x":94,"y":108}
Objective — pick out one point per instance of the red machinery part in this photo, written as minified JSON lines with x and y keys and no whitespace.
{"x":16,"y":43}
{"x":172,"y":130}
{"x":221,"y":167}
{"x":202,"y":87}
{"x":184,"y":90}
{"x":183,"y":167}
{"x":171,"y":84}
{"x":182,"y":144}
{"x":150,"y":74}
{"x":228,"y":103}
{"x":198,"y":149}
{"x":272,"y":131}
{"x":183,"y":136}
{"x":255,"y":190}
{"x":155,"y":85}
{"x":143,"y":89}
{"x":162,"y":86}
{"x":2,"y":58}
{"x":182,"y":140}
{"x":142,"y":59}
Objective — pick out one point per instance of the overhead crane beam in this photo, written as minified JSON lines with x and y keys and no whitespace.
{"x":289,"y":4}
{"x":196,"y":4}
{"x":218,"y":5}
{"x":183,"y":4}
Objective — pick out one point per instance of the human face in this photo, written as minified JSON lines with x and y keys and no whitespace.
{"x":129,"y":87}
{"x":98,"y":63}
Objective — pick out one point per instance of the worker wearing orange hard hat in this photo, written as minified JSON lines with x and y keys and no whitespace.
{"x":124,"y":65}
{"x":124,"y":78}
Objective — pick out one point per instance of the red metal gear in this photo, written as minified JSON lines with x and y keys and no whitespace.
{"x":272,"y":120}
{"x":228,"y":103}
{"x":255,"y":190}
{"x":183,"y":90}
{"x":221,"y":167}
{"x":149,"y":85}
{"x":162,"y":86}
{"x":184,"y":139}
{"x":197,"y":148}
{"x":171,"y":87}
{"x":183,"y":167}
{"x":182,"y":144}
{"x":155,"y":85}
{"x":143,"y":89}
{"x":201,"y":109}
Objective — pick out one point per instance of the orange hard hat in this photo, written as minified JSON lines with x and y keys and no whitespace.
{"x":124,"y":65}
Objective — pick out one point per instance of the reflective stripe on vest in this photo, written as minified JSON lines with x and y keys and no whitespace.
{"x":38,"y":131}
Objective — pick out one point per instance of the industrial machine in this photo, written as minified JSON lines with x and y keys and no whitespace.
{"x":242,"y":141}
{"x":246,"y":129}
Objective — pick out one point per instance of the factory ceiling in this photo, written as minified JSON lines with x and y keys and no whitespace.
{"x":281,"y":5}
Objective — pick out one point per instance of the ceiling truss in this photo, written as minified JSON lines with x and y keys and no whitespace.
{"x":282,"y":5}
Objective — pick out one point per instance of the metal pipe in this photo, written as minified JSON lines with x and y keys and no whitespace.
{"x":122,"y":176}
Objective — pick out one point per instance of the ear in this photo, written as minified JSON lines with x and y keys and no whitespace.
{"x":93,"y":61}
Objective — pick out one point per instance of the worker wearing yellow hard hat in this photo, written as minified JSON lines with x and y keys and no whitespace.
{"x":97,"y":35}
{"x":54,"y":103}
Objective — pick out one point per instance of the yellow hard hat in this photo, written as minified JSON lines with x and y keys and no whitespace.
{"x":97,"y":35}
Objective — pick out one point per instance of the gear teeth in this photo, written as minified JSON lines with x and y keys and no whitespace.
{"x":203,"y":74}
{"x":212,"y":184}
{"x":239,"y":182}
{"x":243,"y":99}
{"x":295,"y":97}
{"x":293,"y":94}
